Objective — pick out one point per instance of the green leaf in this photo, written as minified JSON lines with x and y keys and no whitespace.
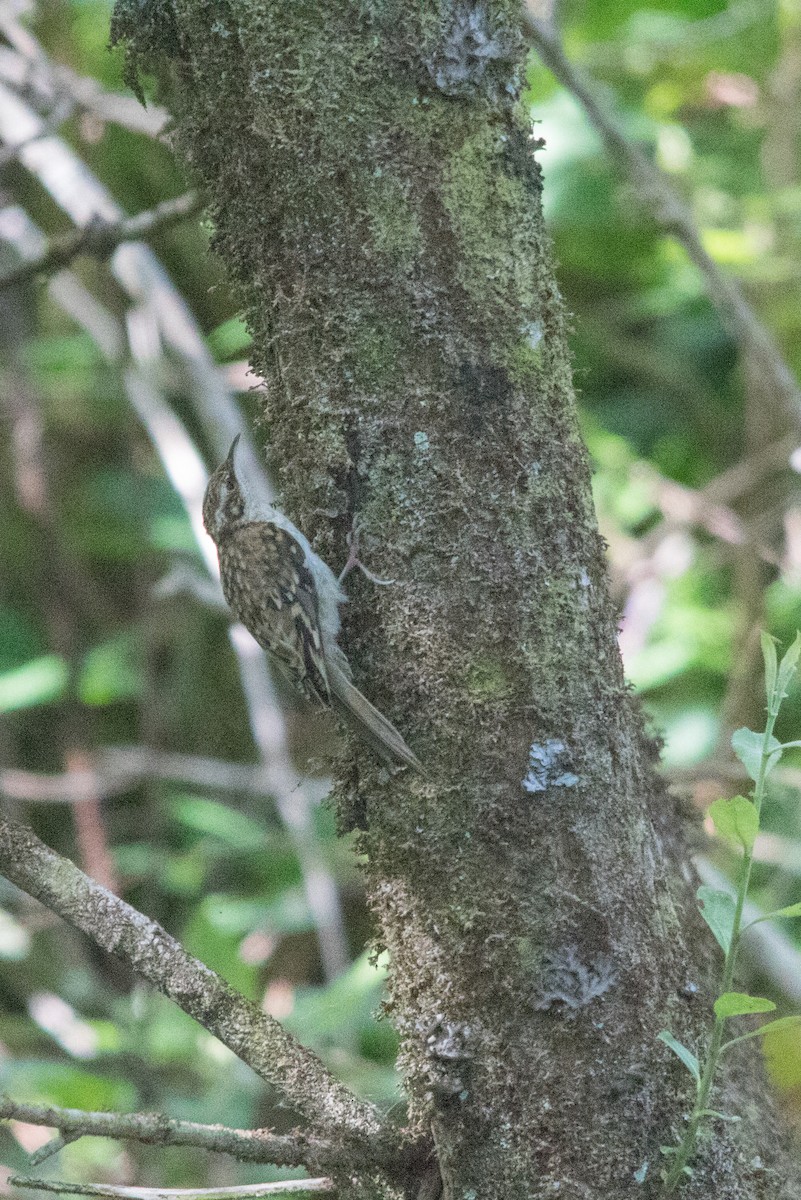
{"x":735,"y":819}
{"x":738,"y":1004}
{"x":717,"y":908}
{"x":773,"y":1026}
{"x":748,"y":746}
{"x":768,"y":1028}
{"x":791,"y":910}
{"x":680,"y":1050}
{"x":769,"y":656}
{"x":205,"y":816}
{"x":112,"y":671}
{"x":38,"y":682}
{"x":230,"y":339}
{"x":789,"y":665}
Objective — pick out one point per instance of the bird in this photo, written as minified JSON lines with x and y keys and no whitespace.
{"x":288,"y":598}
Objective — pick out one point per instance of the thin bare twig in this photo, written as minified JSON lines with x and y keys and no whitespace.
{"x":119,"y":768}
{"x":60,"y":113}
{"x":250,"y":1191}
{"x":155,"y":1129}
{"x":672,"y":214}
{"x":101,"y":237}
{"x":256,"y":1038}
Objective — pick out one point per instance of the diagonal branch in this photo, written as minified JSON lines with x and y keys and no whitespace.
{"x":258,"y":1039}
{"x":101,"y":237}
{"x":672,"y":214}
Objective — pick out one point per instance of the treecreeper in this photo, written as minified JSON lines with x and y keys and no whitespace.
{"x":289,"y":599}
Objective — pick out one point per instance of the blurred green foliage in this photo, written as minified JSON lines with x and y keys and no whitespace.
{"x":92,"y":656}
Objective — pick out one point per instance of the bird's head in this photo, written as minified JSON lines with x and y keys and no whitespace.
{"x":224,"y":501}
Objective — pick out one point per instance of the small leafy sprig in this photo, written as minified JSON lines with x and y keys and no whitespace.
{"x":737,"y":820}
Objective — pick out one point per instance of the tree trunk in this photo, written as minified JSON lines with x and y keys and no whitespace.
{"x":373,"y":186}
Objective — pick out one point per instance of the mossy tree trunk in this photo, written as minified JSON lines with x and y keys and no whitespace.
{"x":376,"y":196}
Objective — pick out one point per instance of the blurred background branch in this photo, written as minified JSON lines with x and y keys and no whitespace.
{"x":669,"y":212}
{"x":100,"y":238}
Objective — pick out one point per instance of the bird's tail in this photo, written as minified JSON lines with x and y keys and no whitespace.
{"x":367,"y":721}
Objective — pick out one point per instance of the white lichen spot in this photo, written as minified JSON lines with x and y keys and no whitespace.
{"x":472,"y":41}
{"x":571,"y":984}
{"x":534,"y":332}
{"x":547,"y":766}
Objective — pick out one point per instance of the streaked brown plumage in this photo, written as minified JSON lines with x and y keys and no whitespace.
{"x":288,"y":599}
{"x":269,"y":587}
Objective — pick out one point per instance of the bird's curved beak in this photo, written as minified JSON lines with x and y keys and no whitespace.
{"x":230,"y":456}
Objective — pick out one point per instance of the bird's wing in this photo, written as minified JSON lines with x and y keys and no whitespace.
{"x":272,"y":591}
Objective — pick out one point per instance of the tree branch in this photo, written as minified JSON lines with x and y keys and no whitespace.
{"x":117,"y":769}
{"x":671,"y":213}
{"x":248,"y":1145}
{"x":152,"y":953}
{"x":251,"y":1191}
{"x":101,"y":237}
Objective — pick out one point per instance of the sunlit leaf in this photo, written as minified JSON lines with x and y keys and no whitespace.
{"x":236,"y":829}
{"x":738,"y":1004}
{"x":736,"y":819}
{"x":39,"y":682}
{"x":766,"y":1030}
{"x":748,"y":747}
{"x":782,"y":1050}
{"x":112,"y":671}
{"x":229,"y":339}
{"x":790,"y":910}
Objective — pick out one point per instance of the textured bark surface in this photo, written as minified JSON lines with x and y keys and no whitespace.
{"x":376,"y":196}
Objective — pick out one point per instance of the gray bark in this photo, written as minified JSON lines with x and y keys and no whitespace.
{"x":376,"y":197}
